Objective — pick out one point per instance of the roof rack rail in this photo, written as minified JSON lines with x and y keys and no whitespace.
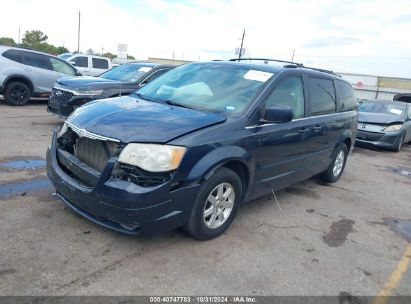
{"x":289,"y":64}
{"x":268,"y":59}
{"x":321,"y":70}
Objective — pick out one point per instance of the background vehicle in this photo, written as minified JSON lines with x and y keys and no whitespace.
{"x":88,"y":65}
{"x":384,"y":124}
{"x":70,"y":93}
{"x":25,"y":73}
{"x":189,"y":147}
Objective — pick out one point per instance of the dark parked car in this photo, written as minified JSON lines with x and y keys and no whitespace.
{"x":71,"y":93}
{"x":384,"y":124}
{"x":188,"y":148}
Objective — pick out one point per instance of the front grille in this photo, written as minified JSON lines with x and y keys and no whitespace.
{"x":61,"y":96}
{"x":94,"y":153}
{"x":88,"y":158}
{"x":369,"y":136}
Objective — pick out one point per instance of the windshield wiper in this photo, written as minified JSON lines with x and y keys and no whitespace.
{"x":173,"y":103}
{"x":141,"y":96}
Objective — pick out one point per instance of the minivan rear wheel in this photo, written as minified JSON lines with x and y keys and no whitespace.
{"x":17,"y":93}
{"x":216,"y":205}
{"x":337,"y":165}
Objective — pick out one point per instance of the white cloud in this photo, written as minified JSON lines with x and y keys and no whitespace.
{"x":364,"y":36}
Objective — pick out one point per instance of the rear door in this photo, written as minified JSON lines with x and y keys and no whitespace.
{"x":325,"y":124}
{"x":39,"y":70}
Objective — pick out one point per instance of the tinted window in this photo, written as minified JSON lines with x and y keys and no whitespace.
{"x":345,"y":93}
{"x":62,"y":67}
{"x":36,"y":60}
{"x":14,"y":55}
{"x":81,"y":61}
{"x":322,"y":96}
{"x":100,"y":63}
{"x":155,"y":75}
{"x":289,"y":92}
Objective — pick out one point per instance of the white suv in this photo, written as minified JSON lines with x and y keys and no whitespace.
{"x":88,"y":65}
{"x":26,"y":73}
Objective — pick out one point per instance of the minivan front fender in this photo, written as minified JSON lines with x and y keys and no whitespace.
{"x":213,"y":160}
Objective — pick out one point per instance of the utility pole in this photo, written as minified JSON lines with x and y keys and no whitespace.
{"x":18,"y":41}
{"x":292,"y":57}
{"x":78,"y":33}
{"x":241,"y":47}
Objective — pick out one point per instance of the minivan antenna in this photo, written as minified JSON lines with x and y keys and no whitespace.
{"x":241,"y":47}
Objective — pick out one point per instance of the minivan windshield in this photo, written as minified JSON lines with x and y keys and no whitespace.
{"x":127,"y":72}
{"x":208,"y":86}
{"x":382,"y":108}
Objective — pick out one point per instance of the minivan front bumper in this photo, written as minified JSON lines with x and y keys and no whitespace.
{"x":120,"y":205}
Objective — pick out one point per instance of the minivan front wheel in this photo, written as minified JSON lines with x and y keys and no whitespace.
{"x":216,"y":205}
{"x":337,"y":165}
{"x":17,"y":93}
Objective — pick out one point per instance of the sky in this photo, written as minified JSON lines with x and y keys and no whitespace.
{"x":370,"y":37}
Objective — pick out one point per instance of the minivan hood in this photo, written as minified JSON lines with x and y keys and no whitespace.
{"x":129,"y":119}
{"x":379,"y":118}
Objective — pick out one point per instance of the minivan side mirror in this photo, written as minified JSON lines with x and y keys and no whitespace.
{"x":73,"y":63}
{"x":277,"y":114}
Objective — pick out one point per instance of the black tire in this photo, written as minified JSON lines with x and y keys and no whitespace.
{"x":17,"y":93}
{"x":196,"y":225}
{"x":400,"y":143}
{"x":330,"y":175}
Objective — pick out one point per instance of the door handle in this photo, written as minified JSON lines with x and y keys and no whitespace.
{"x":27,"y":69}
{"x":317,"y":128}
{"x":304,"y":131}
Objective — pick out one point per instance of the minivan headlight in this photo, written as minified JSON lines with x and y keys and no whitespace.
{"x":152,"y":157}
{"x":393,"y":128}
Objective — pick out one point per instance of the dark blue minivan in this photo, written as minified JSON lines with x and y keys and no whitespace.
{"x":188,"y":148}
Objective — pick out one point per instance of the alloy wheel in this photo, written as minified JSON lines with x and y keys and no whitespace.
{"x":218,"y":206}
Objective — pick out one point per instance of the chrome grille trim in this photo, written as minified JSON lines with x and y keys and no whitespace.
{"x":84,"y":133}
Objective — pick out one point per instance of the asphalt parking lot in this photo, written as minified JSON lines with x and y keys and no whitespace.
{"x":321,"y":239}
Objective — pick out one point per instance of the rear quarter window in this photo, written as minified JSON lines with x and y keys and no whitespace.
{"x":14,"y":55}
{"x":99,"y":63}
{"x":322,"y":96}
{"x":346,"y":96}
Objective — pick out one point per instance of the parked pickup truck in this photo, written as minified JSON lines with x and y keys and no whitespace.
{"x":88,"y":65}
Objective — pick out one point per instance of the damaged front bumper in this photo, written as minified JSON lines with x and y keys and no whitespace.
{"x":117,"y":204}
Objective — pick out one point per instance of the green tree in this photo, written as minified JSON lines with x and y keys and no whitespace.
{"x":34,"y":39}
{"x":109,"y":55}
{"x":7,"y":41}
{"x":131,"y":57}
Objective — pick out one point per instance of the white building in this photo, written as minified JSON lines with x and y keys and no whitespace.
{"x":378,"y":87}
